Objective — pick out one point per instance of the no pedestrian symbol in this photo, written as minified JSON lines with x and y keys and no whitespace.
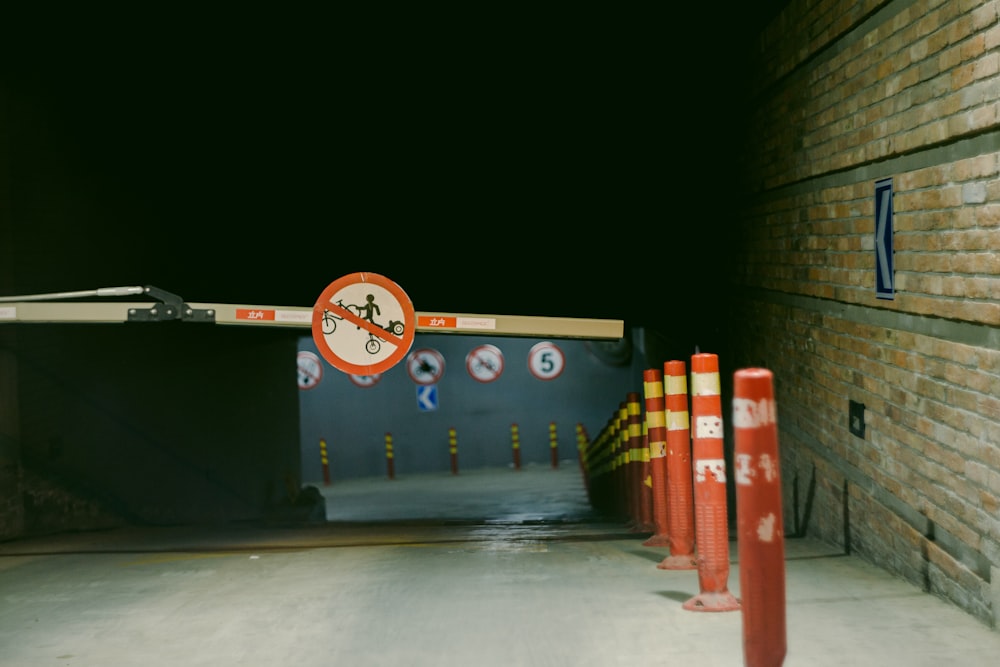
{"x":363,"y":324}
{"x":427,"y":397}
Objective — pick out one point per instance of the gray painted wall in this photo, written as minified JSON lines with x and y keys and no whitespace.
{"x":353,"y":421}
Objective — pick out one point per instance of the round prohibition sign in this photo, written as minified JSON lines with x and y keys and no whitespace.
{"x":365,"y":381}
{"x":546,"y":361}
{"x":484,"y":363}
{"x":425,"y":366}
{"x":310,"y":369}
{"x":363,"y":324}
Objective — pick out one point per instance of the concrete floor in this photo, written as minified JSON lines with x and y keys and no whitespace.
{"x":488,"y":567}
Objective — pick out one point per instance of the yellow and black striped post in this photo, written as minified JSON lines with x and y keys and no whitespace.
{"x":581,"y":448}
{"x":554,"y":444}
{"x":515,"y":444}
{"x":634,"y":463}
{"x":623,"y":489}
{"x":656,"y":442}
{"x":389,"y":458}
{"x":453,"y":449}
{"x":325,"y":462}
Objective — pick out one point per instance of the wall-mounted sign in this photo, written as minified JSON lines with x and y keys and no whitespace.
{"x":884,"y":279}
{"x":484,"y":363}
{"x":310,"y":369}
{"x":363,"y":323}
{"x":365,"y":380}
{"x":546,"y":361}
{"x":427,"y":397}
{"x":425,"y":366}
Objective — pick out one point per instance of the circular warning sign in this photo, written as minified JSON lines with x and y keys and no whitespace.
{"x":310,"y":370}
{"x":484,"y":363}
{"x":546,"y":361}
{"x":425,"y":366}
{"x":363,"y":324}
{"x":364,"y":381}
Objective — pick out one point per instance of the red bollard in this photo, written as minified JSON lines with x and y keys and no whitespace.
{"x":711,"y":522}
{"x":656,"y":431}
{"x":389,"y":458}
{"x":760,"y":526}
{"x":680,"y":499}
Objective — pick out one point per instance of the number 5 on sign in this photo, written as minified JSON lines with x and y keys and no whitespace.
{"x":546,"y":361}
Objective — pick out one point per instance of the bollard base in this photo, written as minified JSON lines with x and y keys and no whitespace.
{"x":639,"y":527}
{"x":724,"y":601}
{"x":657,"y":541}
{"x":679,"y":562}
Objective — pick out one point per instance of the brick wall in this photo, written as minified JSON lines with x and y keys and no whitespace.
{"x":850,"y":93}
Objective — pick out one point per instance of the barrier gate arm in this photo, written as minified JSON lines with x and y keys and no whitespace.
{"x":49,"y":308}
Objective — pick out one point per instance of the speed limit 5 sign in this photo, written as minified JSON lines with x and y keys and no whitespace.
{"x":546,"y":361}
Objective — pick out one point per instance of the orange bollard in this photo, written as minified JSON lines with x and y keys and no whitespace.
{"x":760,"y":526}
{"x":515,"y":445}
{"x":554,"y":444}
{"x":656,"y":430}
{"x":326,"y":462}
{"x":711,"y":521}
{"x":453,"y":450}
{"x":389,"y":459}
{"x":680,"y":499}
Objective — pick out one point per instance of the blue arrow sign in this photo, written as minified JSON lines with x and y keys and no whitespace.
{"x":884,"y":284}
{"x":427,"y":397}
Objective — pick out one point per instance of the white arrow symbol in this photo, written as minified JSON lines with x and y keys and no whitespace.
{"x":880,"y":239}
{"x":425,"y":395}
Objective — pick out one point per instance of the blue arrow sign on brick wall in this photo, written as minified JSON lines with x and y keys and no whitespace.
{"x":427,"y":397}
{"x":884,"y":270}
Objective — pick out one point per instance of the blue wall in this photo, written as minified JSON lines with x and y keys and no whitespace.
{"x":353,"y":421}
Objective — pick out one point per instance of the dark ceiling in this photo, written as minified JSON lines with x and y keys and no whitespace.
{"x":561,"y":165}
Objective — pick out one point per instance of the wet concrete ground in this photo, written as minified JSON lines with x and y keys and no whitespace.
{"x":489,"y":567}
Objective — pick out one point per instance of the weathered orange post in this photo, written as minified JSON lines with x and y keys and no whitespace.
{"x":760,"y":527}
{"x":680,"y":501}
{"x":711,"y":522}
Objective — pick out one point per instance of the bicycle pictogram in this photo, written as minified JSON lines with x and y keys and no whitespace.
{"x":370,"y":309}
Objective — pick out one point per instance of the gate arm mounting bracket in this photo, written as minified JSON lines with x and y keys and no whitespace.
{"x":171,"y":307}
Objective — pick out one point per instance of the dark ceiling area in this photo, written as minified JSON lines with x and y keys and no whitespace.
{"x":559,"y":165}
